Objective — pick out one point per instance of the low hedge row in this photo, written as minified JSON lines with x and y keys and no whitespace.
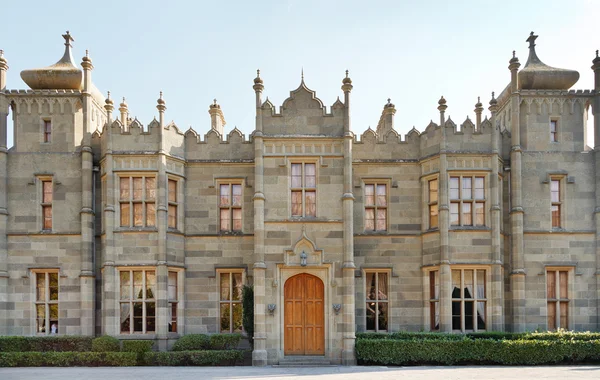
{"x":192,"y":342}
{"x":45,"y":344}
{"x":476,"y":351}
{"x":120,"y":359}
{"x":493,"y":335}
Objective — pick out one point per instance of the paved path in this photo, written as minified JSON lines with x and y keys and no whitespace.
{"x":324,"y":373}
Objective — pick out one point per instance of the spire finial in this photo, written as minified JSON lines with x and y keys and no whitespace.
{"x":596,"y":53}
{"x":258,"y":73}
{"x":302,"y":74}
{"x":531,"y":40}
{"x":68,"y":39}
{"x":215,"y":101}
{"x":346,"y":73}
{"x":2,"y":53}
{"x":87,"y":53}
{"x":493,"y":93}
{"x":478,"y":99}
{"x":161,"y":95}
{"x":108,"y":93}
{"x":389,"y":101}
{"x":514,"y":53}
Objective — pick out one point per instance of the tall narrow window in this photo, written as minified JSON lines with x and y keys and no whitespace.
{"x":47,"y":204}
{"x":230,"y":207}
{"x":375,"y":207}
{"x":304,"y":190}
{"x":137,"y":301}
{"x":172,"y":203}
{"x":230,"y":288}
{"x":433,"y":203}
{"x":557,"y":294}
{"x":47,"y":131}
{"x":553,"y":130}
{"x":137,"y":197}
{"x":377,"y":301}
{"x":46,"y":302}
{"x":434,"y":300}
{"x":173,"y":301}
{"x":469,"y":299}
{"x":467,"y":201}
{"x":555,"y":197}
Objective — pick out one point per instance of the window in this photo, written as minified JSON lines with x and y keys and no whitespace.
{"x":230,"y":205}
{"x":467,"y":201}
{"x":553,"y":130}
{"x":555,"y":197}
{"x":47,"y":131}
{"x":137,"y":301}
{"x":230,"y":304}
{"x":468,"y":299}
{"x":137,"y":200}
{"x":433,"y":203}
{"x":434,"y":300}
{"x":304,"y":190}
{"x":46,"y":302}
{"x":557,"y":285}
{"x":173,"y":293}
{"x":47,"y":204}
{"x":377,"y":301}
{"x":375,"y":207}
{"x":172,"y":203}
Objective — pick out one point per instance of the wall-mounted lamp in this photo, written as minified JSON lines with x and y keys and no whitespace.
{"x":303,"y":259}
{"x":336,"y":308}
{"x":271,"y":307}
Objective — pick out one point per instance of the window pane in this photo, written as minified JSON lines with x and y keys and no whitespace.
{"x":224,"y":219}
{"x":435,"y":315}
{"x":310,"y":176}
{"x":433,"y":216}
{"x":53,"y":288}
{"x":454,"y":214}
{"x":125,"y":317}
{"x":41,"y":286}
{"x":369,"y":195}
{"x":150,"y":284}
{"x":40,"y":318}
{"x":555,"y":190}
{"x":383,"y":315}
{"x":138,"y":323}
{"x":237,"y":219}
{"x":172,"y":190}
{"x":469,"y":314}
{"x":555,"y":215}
{"x":371,"y":291}
{"x":124,"y":193}
{"x":224,"y":195}
{"x":311,"y":203}
{"x":151,"y":188}
{"x":125,"y":285}
{"x":296,"y":175}
{"x":236,"y":288}
{"x":467,"y":186}
{"x":296,"y":203}
{"x":553,"y":126}
{"x":381,"y":219}
{"x":456,"y":292}
{"x":479,"y":189}
{"x":150,"y":316}
{"x":237,"y":317}
{"x":551,"y":316}
{"x":150,"y":215}
{"x":225,"y":287}
{"x":173,"y":318}
{"x":47,"y":211}
{"x":137,"y":285}
{"x":381,"y":198}
{"x":467,"y":216}
{"x":172,"y":285}
{"x":124,"y":214}
{"x":564,"y":313}
{"x":225,"y":317}
{"x":433,"y":190}
{"x":468,"y":291}
{"x":137,"y":188}
{"x":172,"y":216}
{"x":454,"y":188}
{"x":551,"y":285}
{"x":563,"y":275}
{"x":480,"y":315}
{"x":479,"y":214}
{"x":456,"y":315}
{"x":237,"y":194}
{"x":481,"y":284}
{"x":138,"y":214}
{"x":383,"y":286}
{"x":371,"y":306}
{"x":370,"y":219}
{"x":47,"y":189}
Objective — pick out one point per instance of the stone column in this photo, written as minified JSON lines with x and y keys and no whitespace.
{"x":386,"y":122}
{"x":478,"y":111}
{"x":217,"y":120}
{"x":3,"y":198}
{"x":110,"y":311}
{"x":596,"y":112}
{"x":123,"y":108}
{"x":444,"y":226}
{"x":496,"y":293}
{"x":259,"y":355}
{"x":162,"y":220}
{"x":87,"y":277}
{"x":516,"y":213}
{"x":348,"y":267}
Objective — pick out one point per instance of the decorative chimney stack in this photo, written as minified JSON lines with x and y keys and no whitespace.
{"x":161,"y":110}
{"x":478,"y":111}
{"x":217,"y":120}
{"x":442,"y":108}
{"x":386,"y":121}
{"x":124,"y":112}
{"x":3,"y":69}
{"x":109,"y":107}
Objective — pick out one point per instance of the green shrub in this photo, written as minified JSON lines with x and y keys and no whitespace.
{"x":194,"y":358}
{"x":192,"y":342}
{"x":138,"y":346}
{"x":106,"y":344}
{"x":224,"y":341}
{"x":248,"y":312}
{"x":66,"y":359}
{"x":493,"y":335}
{"x":45,"y":343}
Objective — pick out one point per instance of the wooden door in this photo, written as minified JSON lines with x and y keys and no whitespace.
{"x":304,"y":316}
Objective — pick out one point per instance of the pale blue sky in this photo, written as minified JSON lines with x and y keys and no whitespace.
{"x":194,"y":51}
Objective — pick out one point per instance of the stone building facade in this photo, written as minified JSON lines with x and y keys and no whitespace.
{"x":111,"y":227}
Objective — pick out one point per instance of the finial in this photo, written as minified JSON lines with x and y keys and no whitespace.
{"x":596,"y":53}
{"x":108,"y":100}
{"x":302,"y":74}
{"x":68,"y":38}
{"x":2,"y":53}
{"x":531,"y":40}
{"x":87,"y":53}
{"x":258,"y":81}
{"x":389,"y":101}
{"x":514,"y":53}
{"x":108,"y":94}
{"x":493,"y":93}
{"x":161,"y":94}
{"x":346,"y":73}
{"x":478,"y":99}
{"x":215,"y":101}
{"x":258,"y":73}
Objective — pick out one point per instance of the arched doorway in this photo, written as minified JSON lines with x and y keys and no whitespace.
{"x":304,"y":321}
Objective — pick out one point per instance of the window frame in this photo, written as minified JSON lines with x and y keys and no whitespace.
{"x":131,"y":202}
{"x":473,"y":201}
{"x":131,"y":300}
{"x":46,"y":302}
{"x":560,"y":203}
{"x":173,"y":204}
{"x":47,"y":132}
{"x":231,"y":301}
{"x":557,"y":301}
{"x":46,"y":204}
{"x":177,"y":302}
{"x":303,"y":189}
{"x":375,"y":207}
{"x":475,"y":299}
{"x":433,"y":277}
{"x":376,"y":301}
{"x":554,"y":133}
{"x":230,"y":207}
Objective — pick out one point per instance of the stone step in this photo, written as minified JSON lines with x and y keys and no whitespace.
{"x":304,"y":361}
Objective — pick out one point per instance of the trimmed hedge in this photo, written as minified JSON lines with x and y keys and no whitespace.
{"x":224,"y":341}
{"x":67,"y":359}
{"x":476,"y":351}
{"x":194,"y":358}
{"x":45,"y":343}
{"x":493,"y":335}
{"x":192,"y":342}
{"x":138,"y":346}
{"x":106,"y":344}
